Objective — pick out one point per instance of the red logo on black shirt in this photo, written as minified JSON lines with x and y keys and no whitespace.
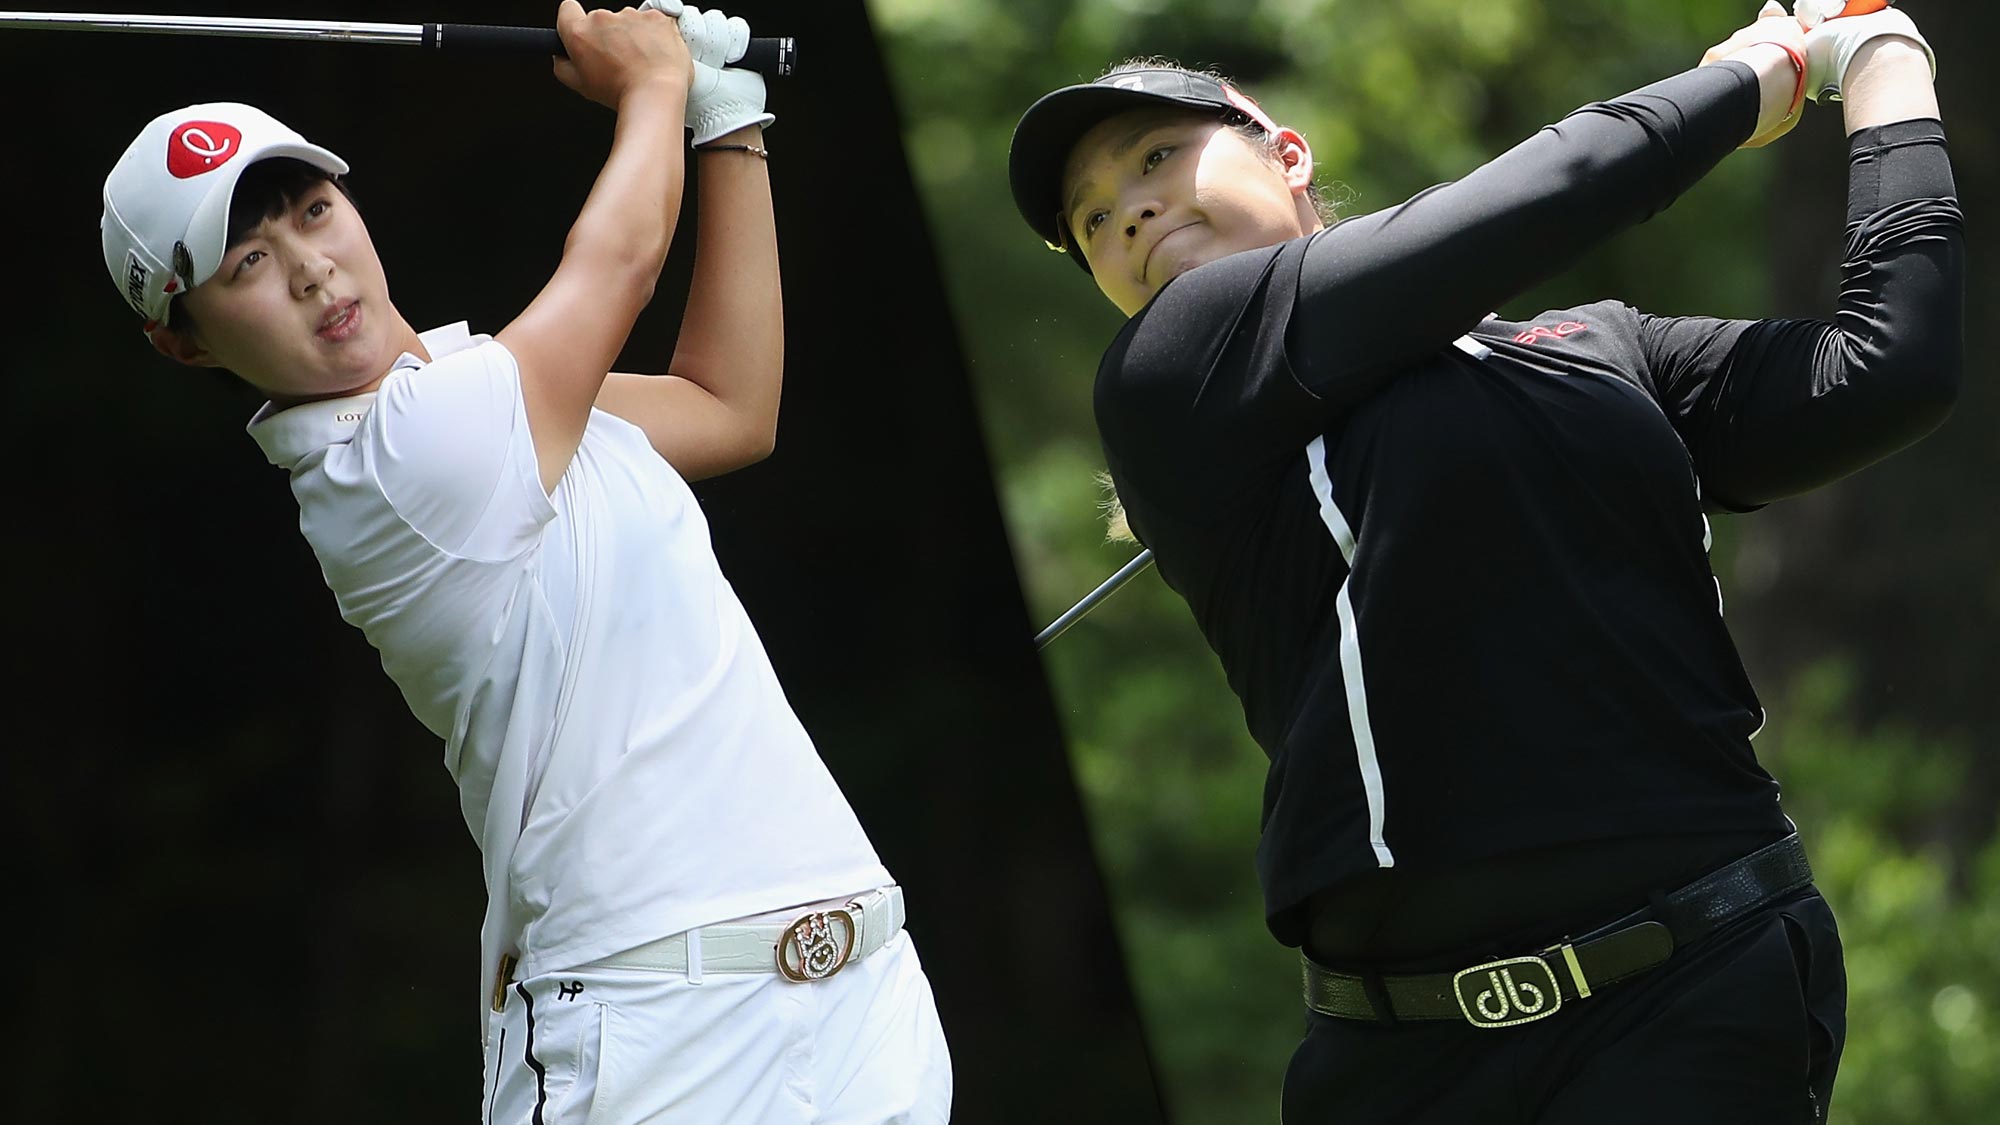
{"x":1566,"y":328}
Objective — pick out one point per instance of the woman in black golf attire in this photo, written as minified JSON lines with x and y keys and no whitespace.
{"x":1455,"y":566}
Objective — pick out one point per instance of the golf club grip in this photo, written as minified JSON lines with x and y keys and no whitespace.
{"x":774,"y":57}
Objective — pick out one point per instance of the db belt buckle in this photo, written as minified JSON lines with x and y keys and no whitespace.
{"x":817,"y":945}
{"x":1504,"y":993}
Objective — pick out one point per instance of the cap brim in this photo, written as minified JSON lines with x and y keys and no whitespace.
{"x":1050,"y":129}
{"x":208,"y":231}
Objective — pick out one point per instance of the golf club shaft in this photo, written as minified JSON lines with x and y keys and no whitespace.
{"x":771,"y":57}
{"x":1107,"y":588}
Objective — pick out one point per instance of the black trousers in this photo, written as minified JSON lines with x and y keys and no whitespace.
{"x":1744,"y":1026}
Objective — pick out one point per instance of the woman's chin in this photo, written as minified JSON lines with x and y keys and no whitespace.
{"x":1181,"y":263}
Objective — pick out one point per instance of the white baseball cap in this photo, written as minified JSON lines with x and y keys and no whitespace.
{"x":166,"y":203}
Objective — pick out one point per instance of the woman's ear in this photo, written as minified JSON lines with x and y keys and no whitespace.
{"x":179,"y":346}
{"x":1296,"y":158}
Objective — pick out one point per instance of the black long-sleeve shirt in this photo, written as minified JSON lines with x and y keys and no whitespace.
{"x":1455,"y":567}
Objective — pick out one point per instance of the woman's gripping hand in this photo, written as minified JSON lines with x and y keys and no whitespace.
{"x":1773,"y":45}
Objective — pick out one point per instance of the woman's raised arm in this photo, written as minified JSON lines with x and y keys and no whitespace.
{"x":568,"y":337}
{"x":1772,"y":408}
{"x":1384,"y":290}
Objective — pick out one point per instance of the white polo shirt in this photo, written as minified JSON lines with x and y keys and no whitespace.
{"x":624,"y":754}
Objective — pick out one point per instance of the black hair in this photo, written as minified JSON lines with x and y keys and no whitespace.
{"x":266,"y":190}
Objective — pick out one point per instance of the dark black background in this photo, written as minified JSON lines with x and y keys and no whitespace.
{"x":243,"y":891}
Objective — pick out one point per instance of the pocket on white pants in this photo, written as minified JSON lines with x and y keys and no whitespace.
{"x":550,"y":1056}
{"x":489,"y":1066}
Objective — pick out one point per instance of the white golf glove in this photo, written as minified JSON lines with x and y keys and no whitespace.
{"x":1834,"y":40}
{"x":722,"y":99}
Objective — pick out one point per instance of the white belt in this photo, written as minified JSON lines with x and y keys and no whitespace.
{"x":816,"y":944}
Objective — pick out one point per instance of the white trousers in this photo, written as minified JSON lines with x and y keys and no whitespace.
{"x":645,"y":1047}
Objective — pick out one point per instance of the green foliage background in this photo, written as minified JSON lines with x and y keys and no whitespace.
{"x":1894,"y":793}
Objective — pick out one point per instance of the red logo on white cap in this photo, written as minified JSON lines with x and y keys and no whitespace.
{"x":201,"y":146}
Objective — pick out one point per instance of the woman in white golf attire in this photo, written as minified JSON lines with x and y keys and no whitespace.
{"x":685,"y":921}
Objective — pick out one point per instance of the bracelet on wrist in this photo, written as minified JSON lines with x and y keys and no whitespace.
{"x":1799,"y":94}
{"x":763,"y":153}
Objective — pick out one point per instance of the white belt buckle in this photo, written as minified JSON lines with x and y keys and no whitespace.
{"x":810,"y":950}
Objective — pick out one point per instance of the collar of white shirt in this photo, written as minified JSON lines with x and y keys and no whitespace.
{"x":288,"y":435}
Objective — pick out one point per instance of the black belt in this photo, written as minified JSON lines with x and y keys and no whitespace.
{"x":1522,"y":989}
